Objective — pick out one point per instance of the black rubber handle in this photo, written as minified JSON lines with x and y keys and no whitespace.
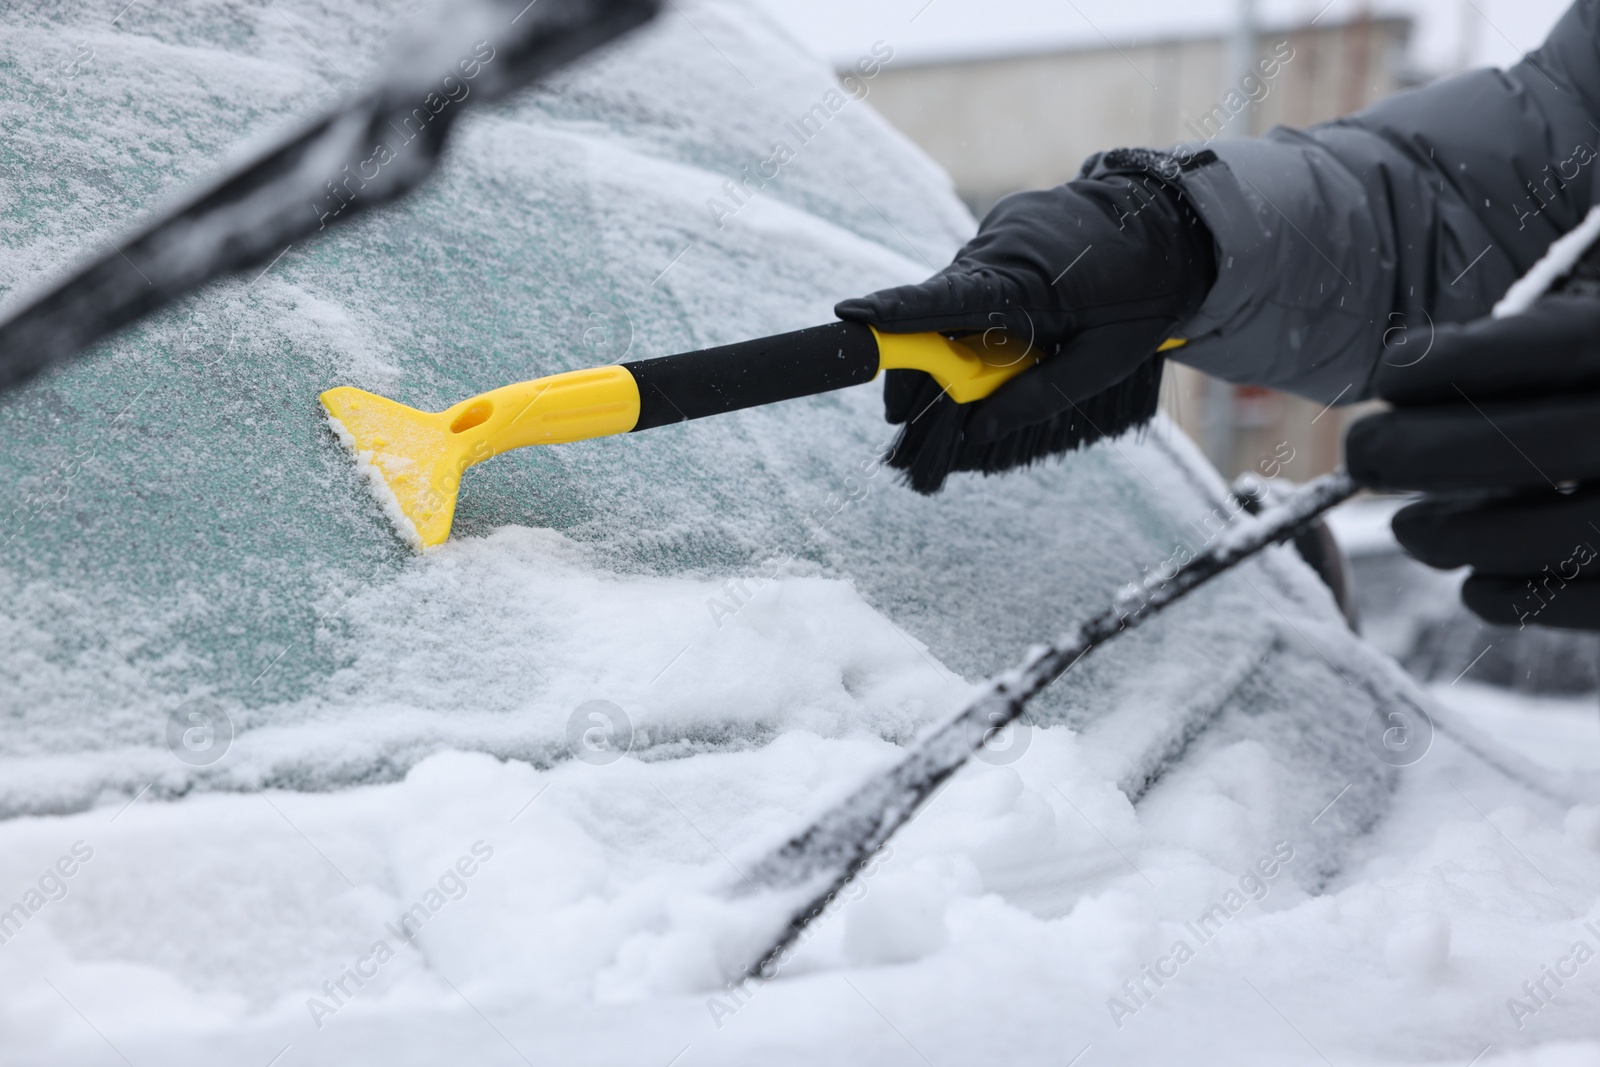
{"x":751,"y":373}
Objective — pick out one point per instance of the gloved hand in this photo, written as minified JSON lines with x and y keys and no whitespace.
{"x":1499,"y":424}
{"x":1091,"y":276}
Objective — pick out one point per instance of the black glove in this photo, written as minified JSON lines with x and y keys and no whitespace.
{"x":1091,"y":276}
{"x":1500,"y":425}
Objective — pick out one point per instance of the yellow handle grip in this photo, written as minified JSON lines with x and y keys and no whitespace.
{"x":967,"y":373}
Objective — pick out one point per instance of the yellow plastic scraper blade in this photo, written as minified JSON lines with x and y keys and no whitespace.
{"x":415,"y":459}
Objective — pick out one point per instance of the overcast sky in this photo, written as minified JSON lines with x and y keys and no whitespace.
{"x":1486,"y":31}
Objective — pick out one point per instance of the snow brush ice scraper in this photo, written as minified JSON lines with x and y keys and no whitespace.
{"x":376,"y":145}
{"x":419,"y":457}
{"x":416,"y":459}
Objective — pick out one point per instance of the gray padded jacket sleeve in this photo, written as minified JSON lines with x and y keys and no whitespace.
{"x":1337,"y":243}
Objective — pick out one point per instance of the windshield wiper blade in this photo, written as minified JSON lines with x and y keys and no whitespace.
{"x":375,"y":146}
{"x":825,"y":856}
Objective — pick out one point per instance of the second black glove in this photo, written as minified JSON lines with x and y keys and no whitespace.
{"x":1497,"y":426}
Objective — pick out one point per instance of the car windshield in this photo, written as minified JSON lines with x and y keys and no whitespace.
{"x":185,"y":527}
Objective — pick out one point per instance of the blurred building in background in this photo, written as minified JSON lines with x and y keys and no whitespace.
{"x":1000,"y":124}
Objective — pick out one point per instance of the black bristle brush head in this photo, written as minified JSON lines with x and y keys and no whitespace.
{"x":932,"y":442}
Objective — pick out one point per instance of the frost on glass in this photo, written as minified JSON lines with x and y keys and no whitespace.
{"x":181,"y":525}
